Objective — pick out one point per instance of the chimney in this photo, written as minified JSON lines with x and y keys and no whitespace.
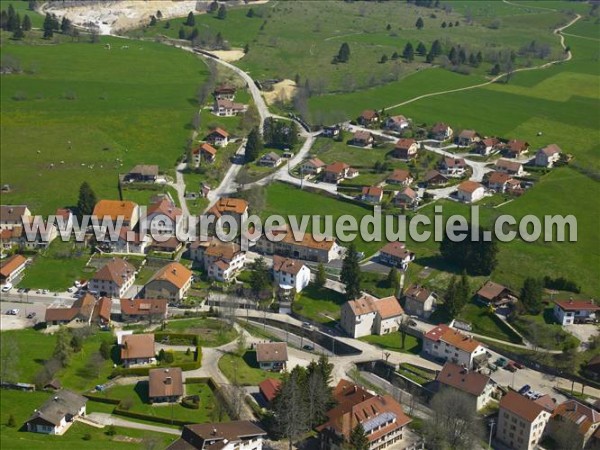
{"x":214,"y":431}
{"x":174,"y":271}
{"x":168,"y":380}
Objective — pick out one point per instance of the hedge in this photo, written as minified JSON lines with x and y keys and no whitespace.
{"x":176,"y":338}
{"x":99,"y":399}
{"x":131,"y":371}
{"x":198,"y":380}
{"x":189,"y":365}
{"x":134,"y":415}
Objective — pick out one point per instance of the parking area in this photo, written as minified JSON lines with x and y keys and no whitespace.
{"x":583,"y":332}
{"x":27,"y":315}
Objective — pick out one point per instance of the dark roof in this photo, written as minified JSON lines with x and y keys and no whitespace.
{"x":198,"y":436}
{"x":58,"y":406}
{"x":12,"y":213}
{"x":418,"y":293}
{"x":145,"y":170}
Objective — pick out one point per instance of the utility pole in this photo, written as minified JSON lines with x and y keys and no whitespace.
{"x":491,"y":425}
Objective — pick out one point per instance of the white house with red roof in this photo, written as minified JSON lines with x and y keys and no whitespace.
{"x":369,"y":315}
{"x":288,"y":272}
{"x":372,"y":194}
{"x":451,"y":345}
{"x":396,"y":254}
{"x":470,"y":191}
{"x":547,"y":156}
{"x":218,"y":137}
{"x":569,"y":312}
{"x":397,"y":123}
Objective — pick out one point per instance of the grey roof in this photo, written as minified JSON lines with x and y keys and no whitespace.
{"x":12,"y":213}
{"x":58,"y":406}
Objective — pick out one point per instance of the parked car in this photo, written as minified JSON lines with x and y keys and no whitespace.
{"x":524,"y":389}
{"x":501,"y":362}
{"x":412,"y":323}
{"x":518,"y":365}
{"x":308,"y":347}
{"x":31,"y":315}
{"x":510,"y":367}
{"x":7,"y":287}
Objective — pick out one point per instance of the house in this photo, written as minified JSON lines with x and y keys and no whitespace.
{"x":369,"y":315}
{"x":312,"y":166}
{"x":11,"y":268}
{"x":138,"y":309}
{"x":218,"y":137}
{"x":584,"y":420}
{"x":368,"y":117}
{"x":13,"y":215}
{"x":269,"y":388}
{"x":46,"y":233}
{"x":441,"y":131}
{"x":162,"y":218}
{"x":470,"y":191}
{"x":138,"y":349}
{"x":515,"y":148}
{"x":114,"y":278}
{"x":495,"y":294}
{"x":477,"y":387}
{"x":11,"y":237}
{"x":171,"y":282}
{"x":335,"y":172}
{"x":419,"y":301}
{"x":434,"y":178}
{"x":270,"y":159}
{"x":221,"y":260}
{"x":396,"y":254}
{"x":466,"y":138}
{"x":547,"y":156}
{"x":381,"y":417}
{"x":406,"y":198}
{"x":362,"y":138}
{"x":331,"y":132}
{"x":569,"y":312}
{"x":79,"y":314}
{"x":235,"y":208}
{"x":453,"y":166}
{"x":510,"y":167}
{"x":165,"y":385}
{"x":396,"y":123}
{"x":236,"y":435}
{"x":272,"y":356}
{"x":53,"y":385}
{"x":307,"y":247}
{"x":64,"y":218}
{"x":405,"y":149}
{"x":372,"y":194}
{"x":485,"y":146}
{"x":57,"y":414}
{"x":115,"y":210}
{"x":102,"y":312}
{"x":142,"y":173}
{"x":127,"y":242}
{"x":522,"y":421}
{"x":224,"y":92}
{"x":448,"y":344}
{"x":205,"y":152}
{"x":290,"y":273}
{"x":400,"y":176}
{"x":226,"y":108}
{"x":498,"y":181}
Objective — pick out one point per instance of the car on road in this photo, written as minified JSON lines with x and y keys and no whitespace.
{"x":501,"y":362}
{"x":412,"y":323}
{"x":308,"y":347}
{"x":7,"y":287}
{"x":31,"y":315}
{"x":45,"y":291}
{"x":510,"y":367}
{"x":524,"y":389}
{"x":307,"y":325}
{"x":21,"y":291}
{"x":518,"y":365}
{"x":12,"y":312}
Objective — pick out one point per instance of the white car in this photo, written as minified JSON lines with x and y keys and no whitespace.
{"x":44,"y":291}
{"x":7,"y":287}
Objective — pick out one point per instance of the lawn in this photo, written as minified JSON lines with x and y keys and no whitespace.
{"x":542,"y":330}
{"x":244,"y":370}
{"x":22,"y":404}
{"x":393,"y":342}
{"x":101,"y":116}
{"x":211,"y":332}
{"x":33,"y":349}
{"x":137,"y":396}
{"x":57,"y":267}
{"x":320,"y":305}
{"x":483,"y":322}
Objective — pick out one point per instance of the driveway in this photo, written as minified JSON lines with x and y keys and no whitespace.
{"x":583,"y":332}
{"x":109,"y":419}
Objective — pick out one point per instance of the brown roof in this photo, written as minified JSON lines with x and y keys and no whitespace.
{"x":143,"y":306}
{"x":102,"y":309}
{"x":220,"y":249}
{"x":60,"y":314}
{"x":396,"y":249}
{"x":198,"y":436}
{"x":114,"y":209}
{"x":315,"y":162}
{"x":551,"y":149}
{"x":286,"y":265}
{"x":63,"y":212}
{"x":467,"y":134}
{"x":271,"y":156}
{"x":577,"y":305}
{"x":465,"y":380}
{"x":517,"y":146}
{"x":399,"y":175}
{"x":175,"y":273}
{"x":398,"y":119}
{"x":453,"y":337}
{"x":137,"y":346}
{"x":361,"y":135}
{"x":510,"y":165}
{"x":372,"y":191}
{"x":228,"y":104}
{"x":521,"y":406}
{"x":469,"y":186}
{"x":206,"y":148}
{"x":271,"y":351}
{"x":454,"y":162}
{"x":165,"y":382}
{"x":408,"y":192}
{"x":221,"y":132}
{"x":583,"y":416}
{"x":433,"y":174}
{"x":12,"y":213}
{"x":386,"y":307}
{"x":369,"y":114}
{"x":269,"y":388}
{"x":490,"y":142}
{"x":440,"y":127}
{"x":116,"y":270}
{"x":166,"y":207}
{"x":405,"y":144}
{"x":12,"y":264}
{"x":145,"y":170}
{"x":418,"y":293}
{"x":225,"y":89}
{"x":498,"y":178}
{"x":336,"y":167}
{"x":308,"y":240}
{"x":229,"y":205}
{"x":491,"y":290}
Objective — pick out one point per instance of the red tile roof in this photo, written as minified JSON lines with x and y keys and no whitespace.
{"x":372,"y":191}
{"x":469,"y":186}
{"x":175,"y":273}
{"x":399,"y":175}
{"x":137,"y":346}
{"x":12,"y":264}
{"x":286,"y":265}
{"x":453,"y":337}
{"x":336,"y":167}
{"x":405,"y":144}
{"x":271,"y":352}
{"x":269,"y":388}
{"x":396,"y":249}
{"x":369,"y":114}
{"x":465,"y":380}
{"x":551,"y":149}
{"x":165,"y":382}
{"x":521,"y":406}
{"x":221,"y":132}
{"x":490,"y":290}
{"x":386,"y":307}
{"x":143,"y":306}
{"x":577,"y":305}
{"x":116,"y":270}
{"x":114,"y":209}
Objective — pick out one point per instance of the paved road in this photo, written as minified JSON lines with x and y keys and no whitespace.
{"x":109,"y":419}
{"x":179,"y":186}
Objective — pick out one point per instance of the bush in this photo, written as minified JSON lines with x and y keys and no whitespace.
{"x":87,"y":437}
{"x":176,"y":338}
{"x":100,"y":399}
{"x":111,"y":430}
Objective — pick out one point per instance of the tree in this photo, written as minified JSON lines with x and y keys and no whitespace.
{"x":408,"y":53}
{"x":421,"y":49}
{"x":436,"y":48}
{"x":11,"y":421}
{"x":86,"y":201}
{"x":63,"y":350}
{"x":450,"y":302}
{"x":194,"y":34}
{"x":153,"y":20}
{"x":246,"y":48}
{"x":358,"y":438}
{"x":495,"y":70}
{"x":18,"y":33}
{"x":531,"y":295}
{"x":477,"y":257}
{"x":395,"y":56}
{"x":393,"y":279}
{"x":321,"y":276}
{"x":48,"y":26}
{"x":444,"y":24}
{"x":289,"y":407}
{"x":105,"y":349}
{"x":26,"y":25}
{"x":222,"y":13}
{"x":254,"y":145}
{"x":76,"y":343}
{"x":65,"y":25}
{"x":250,"y":13}
{"x":191,"y":20}
{"x":419,"y":23}
{"x":566,"y":435}
{"x":383,"y":59}
{"x":260,"y":279}
{"x":213,"y":6}
{"x":181,"y":33}
{"x":344,"y":53}
{"x":350,"y":274}
{"x":452,"y":55}
{"x":429,"y":58}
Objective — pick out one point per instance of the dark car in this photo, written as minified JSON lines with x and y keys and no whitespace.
{"x":31,"y":315}
{"x":524,"y":389}
{"x":518,"y":365}
{"x":510,"y":367}
{"x":308,"y":347}
{"x":412,"y":323}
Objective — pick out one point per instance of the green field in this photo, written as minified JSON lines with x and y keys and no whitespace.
{"x":393,"y":342}
{"x":211,"y":332}
{"x":100,"y":111}
{"x":320,"y":305}
{"x":244,"y":370}
{"x":483,"y":322}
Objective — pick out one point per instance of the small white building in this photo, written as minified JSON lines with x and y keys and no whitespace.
{"x":289,"y":272}
{"x":57,"y":414}
{"x":11,"y":268}
{"x":369,"y":315}
{"x":470,"y":191}
{"x":569,"y":312}
{"x":451,"y":345}
{"x":547,"y":156}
